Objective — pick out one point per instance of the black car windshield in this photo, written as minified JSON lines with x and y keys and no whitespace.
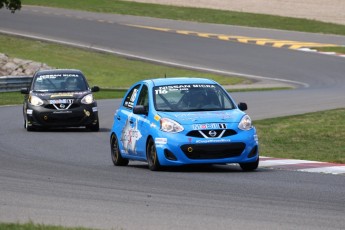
{"x":191,"y":97}
{"x":59,"y":82}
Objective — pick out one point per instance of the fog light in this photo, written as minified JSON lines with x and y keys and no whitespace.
{"x":169,"y":155}
{"x":253,"y":152}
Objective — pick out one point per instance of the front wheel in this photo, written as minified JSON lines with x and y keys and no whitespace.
{"x":151,"y":155}
{"x":250,"y":166}
{"x":27,"y":127}
{"x":116,"y":157}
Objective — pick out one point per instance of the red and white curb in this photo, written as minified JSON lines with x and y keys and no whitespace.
{"x":302,"y":165}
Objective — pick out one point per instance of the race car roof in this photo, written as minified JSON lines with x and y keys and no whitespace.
{"x":180,"y":80}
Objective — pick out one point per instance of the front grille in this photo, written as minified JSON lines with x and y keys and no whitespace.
{"x":215,"y":133}
{"x":57,"y":120}
{"x":213,"y":151}
{"x":72,"y":106}
{"x":69,"y":119}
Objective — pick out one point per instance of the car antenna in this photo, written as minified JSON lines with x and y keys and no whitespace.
{"x":165,"y":75}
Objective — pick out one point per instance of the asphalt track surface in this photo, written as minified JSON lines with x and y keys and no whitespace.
{"x":66,"y":177}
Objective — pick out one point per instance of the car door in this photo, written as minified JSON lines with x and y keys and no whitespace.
{"x":126,"y":125}
{"x":142,"y":122}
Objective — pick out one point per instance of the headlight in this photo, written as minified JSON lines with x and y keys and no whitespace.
{"x":88,"y":99}
{"x":170,"y":126}
{"x":245,"y":123}
{"x":36,"y":101}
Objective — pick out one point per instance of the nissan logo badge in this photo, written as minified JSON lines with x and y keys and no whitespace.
{"x":212,"y":133}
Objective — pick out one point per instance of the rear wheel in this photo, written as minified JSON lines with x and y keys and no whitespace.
{"x":250,"y":166}
{"x":116,"y":157}
{"x":151,"y":155}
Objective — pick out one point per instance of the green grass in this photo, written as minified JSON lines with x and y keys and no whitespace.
{"x":339,"y":50}
{"x":11,"y":98}
{"x":112,"y":73}
{"x":32,"y":226}
{"x":313,"y":136}
{"x":102,"y":69}
{"x":16,"y":98}
{"x":195,"y":14}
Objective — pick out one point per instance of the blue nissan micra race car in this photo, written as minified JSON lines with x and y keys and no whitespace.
{"x":182,"y":121}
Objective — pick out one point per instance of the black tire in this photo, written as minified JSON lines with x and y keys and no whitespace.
{"x":250,"y":166}
{"x":116,"y":157}
{"x":93,"y":128}
{"x":151,"y":156}
{"x":28,"y":128}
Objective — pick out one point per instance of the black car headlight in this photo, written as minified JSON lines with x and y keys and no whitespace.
{"x":35,"y":101}
{"x":88,"y":99}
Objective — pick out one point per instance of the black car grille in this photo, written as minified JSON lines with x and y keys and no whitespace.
{"x":211,"y":133}
{"x":64,"y":106}
{"x":56,"y":120}
{"x":213,"y":151}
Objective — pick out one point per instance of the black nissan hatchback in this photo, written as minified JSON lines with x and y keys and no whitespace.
{"x":60,"y":98}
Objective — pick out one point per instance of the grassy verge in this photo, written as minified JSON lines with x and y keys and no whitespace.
{"x":32,"y":226}
{"x":16,"y":98}
{"x":105,"y":70}
{"x":313,"y":136}
{"x":195,"y":14}
{"x":339,"y":50}
{"x":11,"y":98}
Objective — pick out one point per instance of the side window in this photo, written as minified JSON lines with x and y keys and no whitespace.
{"x":131,"y":96}
{"x":144,"y":97}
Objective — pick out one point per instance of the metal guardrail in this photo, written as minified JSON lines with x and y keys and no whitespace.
{"x":14,"y":83}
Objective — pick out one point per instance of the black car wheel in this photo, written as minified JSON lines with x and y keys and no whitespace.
{"x":116,"y":157}
{"x":151,"y":155}
{"x":250,"y":166}
{"x":27,"y":127}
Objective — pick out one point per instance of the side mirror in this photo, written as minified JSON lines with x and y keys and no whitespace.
{"x":24,"y":90}
{"x":140,"y":109}
{"x":242,"y":106}
{"x":95,"y":89}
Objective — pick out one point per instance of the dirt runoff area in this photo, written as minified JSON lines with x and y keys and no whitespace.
{"x":321,"y":10}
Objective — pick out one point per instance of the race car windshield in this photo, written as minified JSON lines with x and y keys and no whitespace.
{"x":191,"y":97}
{"x":59,"y":83}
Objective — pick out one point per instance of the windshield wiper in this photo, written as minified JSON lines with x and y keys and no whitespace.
{"x":201,"y":110}
{"x":165,"y":110}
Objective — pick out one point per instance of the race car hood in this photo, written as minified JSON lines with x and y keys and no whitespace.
{"x":60,"y":95}
{"x":189,"y":118}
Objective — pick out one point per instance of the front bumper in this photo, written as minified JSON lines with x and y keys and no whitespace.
{"x":177,"y":149}
{"x":79,"y":115}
